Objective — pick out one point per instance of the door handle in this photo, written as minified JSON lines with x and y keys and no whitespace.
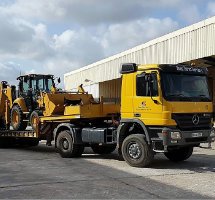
{"x":137,"y":115}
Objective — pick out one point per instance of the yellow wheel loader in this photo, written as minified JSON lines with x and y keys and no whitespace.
{"x":25,"y":108}
{"x":7,"y":96}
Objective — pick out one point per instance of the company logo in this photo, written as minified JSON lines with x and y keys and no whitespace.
{"x":195,"y":119}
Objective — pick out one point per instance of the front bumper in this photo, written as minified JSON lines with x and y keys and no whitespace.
{"x":171,"y":137}
{"x":186,"y":137}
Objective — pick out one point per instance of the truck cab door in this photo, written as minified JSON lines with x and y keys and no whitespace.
{"x":147,"y":102}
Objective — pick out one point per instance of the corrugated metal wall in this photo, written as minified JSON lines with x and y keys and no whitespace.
{"x":190,"y":43}
{"x":111,"y":89}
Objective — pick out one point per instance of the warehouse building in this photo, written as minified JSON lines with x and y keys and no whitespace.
{"x":192,"y":44}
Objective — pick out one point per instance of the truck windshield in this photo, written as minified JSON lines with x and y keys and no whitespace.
{"x":185,"y":87}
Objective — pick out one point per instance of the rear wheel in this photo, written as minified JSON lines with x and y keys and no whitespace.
{"x":17,"y":119}
{"x":177,"y":155}
{"x":136,"y":152}
{"x":34,"y":118}
{"x":107,"y":149}
{"x":66,"y":146}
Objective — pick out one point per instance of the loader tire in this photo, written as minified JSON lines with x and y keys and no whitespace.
{"x":34,"y":120}
{"x":17,"y":119}
{"x":66,"y":146}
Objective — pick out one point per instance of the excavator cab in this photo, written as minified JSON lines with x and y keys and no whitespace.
{"x":29,"y":89}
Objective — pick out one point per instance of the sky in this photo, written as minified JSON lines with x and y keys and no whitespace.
{"x":58,"y":36}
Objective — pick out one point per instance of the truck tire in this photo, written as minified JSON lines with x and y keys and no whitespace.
{"x":66,"y":146}
{"x":105,"y":149}
{"x":136,"y":152}
{"x":17,"y":118}
{"x":177,"y":155}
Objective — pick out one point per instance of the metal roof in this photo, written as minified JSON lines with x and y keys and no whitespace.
{"x":187,"y":44}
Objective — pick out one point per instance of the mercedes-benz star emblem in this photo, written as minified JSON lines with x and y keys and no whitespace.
{"x":195,"y":119}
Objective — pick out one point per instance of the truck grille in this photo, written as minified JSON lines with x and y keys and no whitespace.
{"x":191,"y":122}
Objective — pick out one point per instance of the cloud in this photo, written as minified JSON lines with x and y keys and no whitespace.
{"x":39,"y":51}
{"x":9,"y":72}
{"x":123,"y":36}
{"x":59,"y":36}
{"x":211,"y":8}
{"x":191,"y":14}
{"x":85,"y":12}
{"x":79,"y":46}
{"x":19,"y":38}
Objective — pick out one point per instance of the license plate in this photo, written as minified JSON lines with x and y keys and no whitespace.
{"x":196,"y":134}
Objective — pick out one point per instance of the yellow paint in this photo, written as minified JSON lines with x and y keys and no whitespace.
{"x":21,"y":102}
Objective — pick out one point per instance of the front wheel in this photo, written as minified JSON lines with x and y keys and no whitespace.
{"x":17,"y":119}
{"x":66,"y":146}
{"x":177,"y":155}
{"x":136,"y":152}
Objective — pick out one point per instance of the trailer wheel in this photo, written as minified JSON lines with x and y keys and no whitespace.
{"x":107,"y":149}
{"x":66,"y":146}
{"x":136,"y":152}
{"x":17,"y":119}
{"x":177,"y":155}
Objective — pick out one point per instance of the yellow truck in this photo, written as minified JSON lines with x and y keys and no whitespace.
{"x":164,"y":109}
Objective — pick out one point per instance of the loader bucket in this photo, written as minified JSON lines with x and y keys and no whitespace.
{"x":55,"y":103}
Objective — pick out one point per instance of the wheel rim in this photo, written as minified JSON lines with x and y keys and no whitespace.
{"x":34,"y":121}
{"x":65,"y":144}
{"x":15,"y":118}
{"x":134,"y":150}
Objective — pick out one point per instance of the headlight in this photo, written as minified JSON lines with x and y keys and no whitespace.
{"x":175,"y":135}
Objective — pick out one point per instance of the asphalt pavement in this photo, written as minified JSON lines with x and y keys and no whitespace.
{"x":40,"y":173}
